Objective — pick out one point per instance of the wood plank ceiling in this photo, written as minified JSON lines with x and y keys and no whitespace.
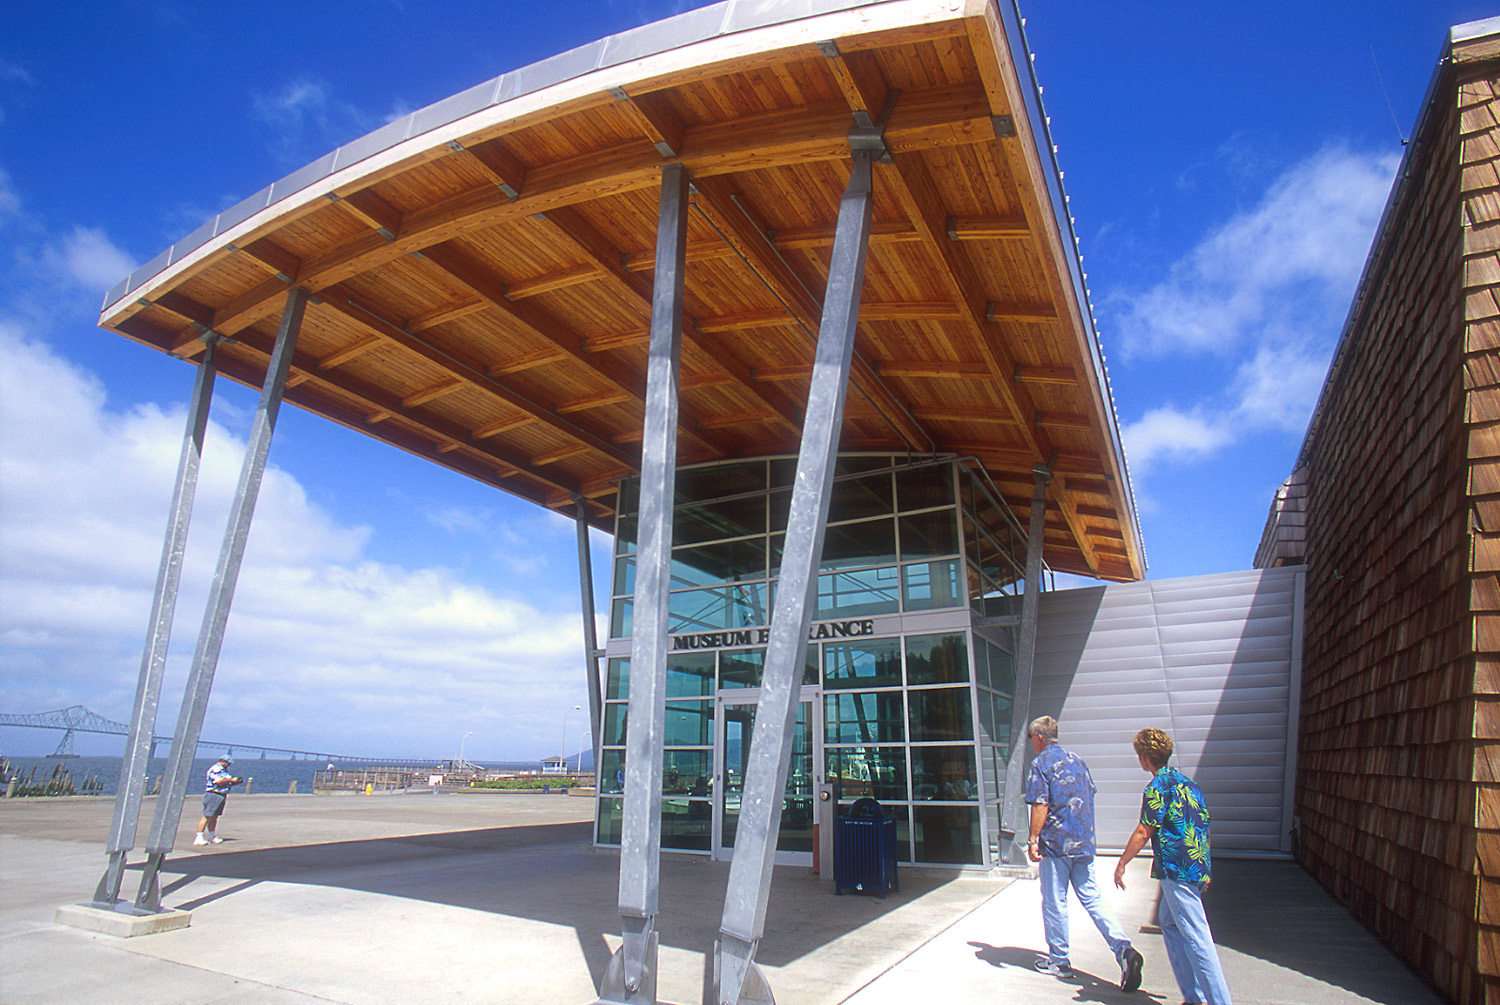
{"x":483,"y":291}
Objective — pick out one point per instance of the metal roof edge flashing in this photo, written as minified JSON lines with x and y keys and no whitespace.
{"x":642,"y":42}
{"x":1473,"y":30}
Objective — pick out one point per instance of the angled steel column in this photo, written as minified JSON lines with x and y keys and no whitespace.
{"x":590,"y":633}
{"x":1025,"y":658}
{"x":138,"y":742}
{"x":200,"y":681}
{"x":631,"y":974}
{"x":737,"y":978}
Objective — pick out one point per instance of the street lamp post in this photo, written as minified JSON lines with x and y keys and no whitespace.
{"x":460,"y":765}
{"x":562,"y":747}
{"x":582,"y":738}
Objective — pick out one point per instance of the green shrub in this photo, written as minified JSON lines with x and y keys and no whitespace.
{"x":529,"y":782}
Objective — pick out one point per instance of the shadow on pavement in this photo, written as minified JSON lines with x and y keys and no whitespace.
{"x":1275,"y":911}
{"x":549,"y":873}
{"x":1086,"y":987}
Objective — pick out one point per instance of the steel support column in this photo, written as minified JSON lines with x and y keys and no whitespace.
{"x":736,"y":976}
{"x":590,"y":632}
{"x":175,"y":780}
{"x":1015,"y":854}
{"x":631,"y":974}
{"x":139,"y":743}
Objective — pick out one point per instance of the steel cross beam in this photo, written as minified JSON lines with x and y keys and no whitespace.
{"x":631,"y":975}
{"x":590,"y":633}
{"x":140,"y":738}
{"x":737,"y":978}
{"x":1025,"y":660}
{"x":211,"y":635}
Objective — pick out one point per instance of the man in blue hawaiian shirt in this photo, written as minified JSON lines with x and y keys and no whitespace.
{"x":1061,"y":793}
{"x":1174,"y":818}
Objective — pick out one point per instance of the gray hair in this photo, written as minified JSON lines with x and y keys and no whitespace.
{"x":1045,"y":727}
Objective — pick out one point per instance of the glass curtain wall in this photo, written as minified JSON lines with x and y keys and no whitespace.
{"x":918,"y":720}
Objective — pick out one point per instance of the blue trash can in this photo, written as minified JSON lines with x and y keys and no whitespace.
{"x":864,"y":850}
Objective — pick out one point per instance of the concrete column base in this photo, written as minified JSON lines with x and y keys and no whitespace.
{"x":123,"y":921}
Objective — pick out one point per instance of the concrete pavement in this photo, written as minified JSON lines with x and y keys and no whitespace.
{"x":499,"y":898}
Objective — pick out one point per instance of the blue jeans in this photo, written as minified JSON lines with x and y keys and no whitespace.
{"x":1057,"y":874}
{"x":1190,"y":943}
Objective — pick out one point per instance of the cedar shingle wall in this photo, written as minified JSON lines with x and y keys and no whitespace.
{"x":1479,"y":104}
{"x":1386,"y":790}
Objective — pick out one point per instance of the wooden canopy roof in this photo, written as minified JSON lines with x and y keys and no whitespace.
{"x":482,"y":269}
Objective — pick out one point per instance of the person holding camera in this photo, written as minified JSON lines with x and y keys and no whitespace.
{"x":215,"y":794}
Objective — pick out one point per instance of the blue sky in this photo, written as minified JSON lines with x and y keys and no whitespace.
{"x":1226,"y":164}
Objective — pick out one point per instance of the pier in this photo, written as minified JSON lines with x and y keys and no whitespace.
{"x":77,"y":719}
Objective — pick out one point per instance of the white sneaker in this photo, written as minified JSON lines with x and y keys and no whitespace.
{"x":215,"y":839}
{"x":199,"y":839}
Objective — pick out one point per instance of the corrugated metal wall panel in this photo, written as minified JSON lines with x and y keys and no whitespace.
{"x":1207,"y":658}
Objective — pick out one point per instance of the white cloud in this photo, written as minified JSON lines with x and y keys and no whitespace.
{"x":1249,"y":316}
{"x":304,"y":119}
{"x":323,"y":645}
{"x":10,"y":202}
{"x":14,"y":72}
{"x":1167,"y":432}
{"x":1301,"y":247}
{"x":87,"y":257}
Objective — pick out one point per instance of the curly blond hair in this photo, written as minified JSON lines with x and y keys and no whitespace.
{"x":1154,"y":745}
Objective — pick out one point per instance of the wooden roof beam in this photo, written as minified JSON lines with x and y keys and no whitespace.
{"x":371,"y":210}
{"x":353,"y":350}
{"x":1044,"y":374}
{"x":442,"y":315}
{"x":629,"y":338}
{"x":560,"y":280}
{"x":384,"y":406}
{"x":859,"y":79}
{"x":1033,"y":313}
{"x":560,"y":454}
{"x":495,"y":160}
{"x":432,"y":392}
{"x":739,"y":322}
{"x":654,"y":119}
{"x":185,"y":307}
{"x":731,"y":218}
{"x":499,"y":426}
{"x":339,"y":301}
{"x":271,"y":258}
{"x":965,"y":413}
{"x":979,"y":228}
{"x":1067,"y":464}
{"x":570,"y":224}
{"x":960,"y":228}
{"x":313,"y":396}
{"x":746,"y":418}
{"x":527,"y":361}
{"x":456,"y":264}
{"x":938,"y":116}
{"x":1061,"y":420}
{"x":919,"y":197}
{"x":1067,"y":505}
{"x":908,"y":369}
{"x":592,"y":401}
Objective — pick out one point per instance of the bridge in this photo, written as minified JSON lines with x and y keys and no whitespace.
{"x":77,"y":719}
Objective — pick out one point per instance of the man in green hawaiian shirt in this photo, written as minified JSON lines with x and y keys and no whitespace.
{"x":1174,"y":818}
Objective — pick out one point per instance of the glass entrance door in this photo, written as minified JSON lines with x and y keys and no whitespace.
{"x":794,"y":845}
